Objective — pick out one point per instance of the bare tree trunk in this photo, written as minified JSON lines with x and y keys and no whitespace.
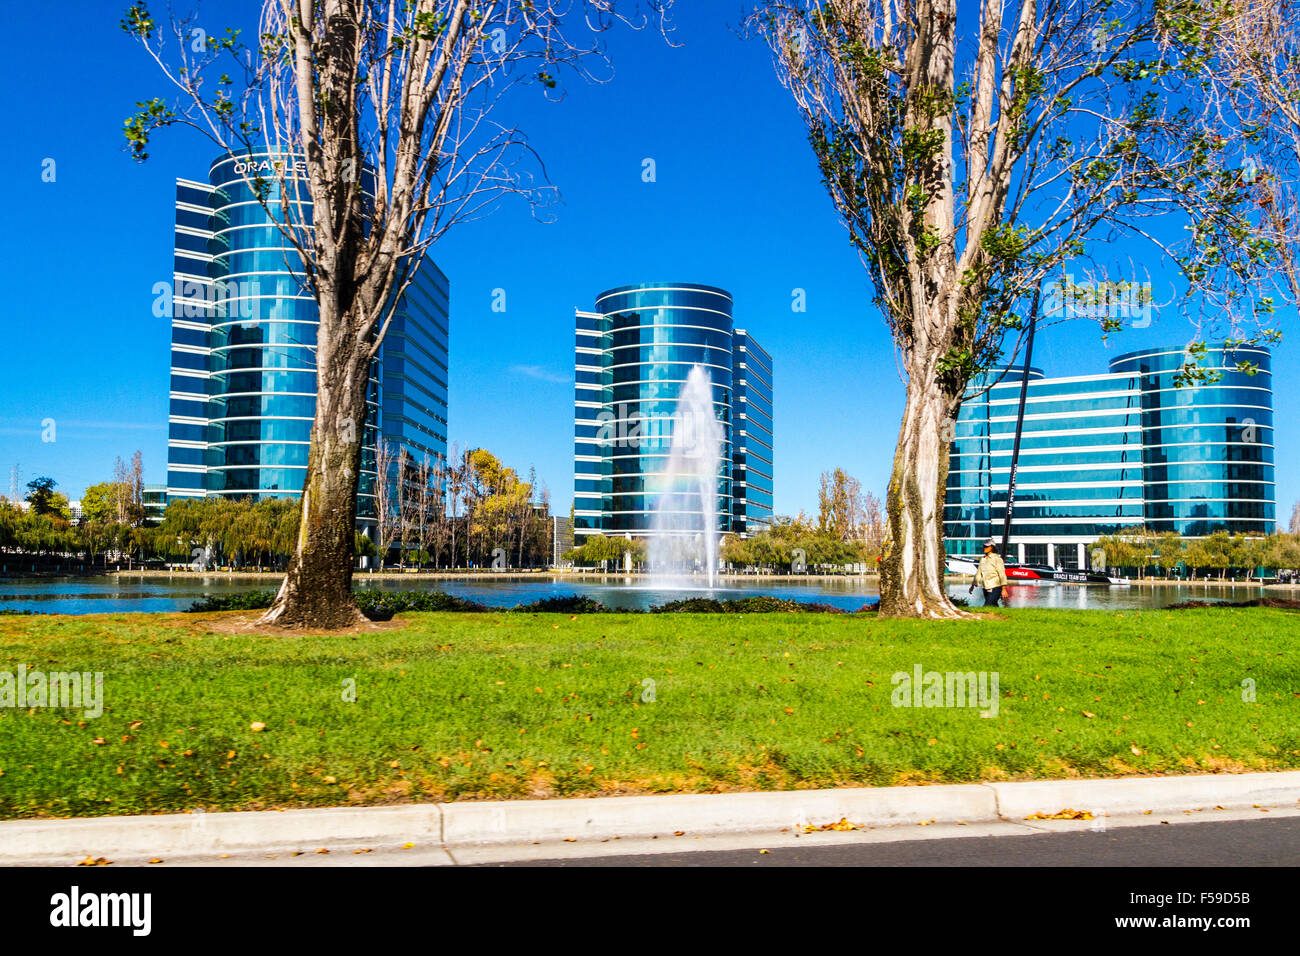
{"x":317,"y":587}
{"x":912,"y":572}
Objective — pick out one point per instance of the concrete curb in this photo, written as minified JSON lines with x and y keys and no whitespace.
{"x":452,"y":825}
{"x":1139,"y":794}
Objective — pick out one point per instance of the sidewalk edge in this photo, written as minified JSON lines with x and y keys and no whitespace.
{"x":467,"y":824}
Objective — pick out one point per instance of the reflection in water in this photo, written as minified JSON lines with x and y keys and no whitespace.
{"x":110,"y":593}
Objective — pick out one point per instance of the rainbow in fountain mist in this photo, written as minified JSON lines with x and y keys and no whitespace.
{"x":684,"y":538}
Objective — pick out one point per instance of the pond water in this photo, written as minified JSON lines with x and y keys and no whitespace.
{"x":116,"y":594}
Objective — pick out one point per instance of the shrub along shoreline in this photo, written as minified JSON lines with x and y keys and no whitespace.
{"x":381,"y":606}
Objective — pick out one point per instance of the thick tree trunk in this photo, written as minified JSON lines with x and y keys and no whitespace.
{"x":913,"y":564}
{"x":317,"y":587}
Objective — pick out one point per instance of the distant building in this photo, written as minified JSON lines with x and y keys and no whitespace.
{"x":751,"y":459}
{"x":633,"y":353}
{"x":155,"y":502}
{"x":243,"y":375}
{"x":561,"y":540}
{"x":1121,"y":449}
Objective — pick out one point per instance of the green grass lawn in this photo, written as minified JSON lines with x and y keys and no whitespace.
{"x":463,"y":706}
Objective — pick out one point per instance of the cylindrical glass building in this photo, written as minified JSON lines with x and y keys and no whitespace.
{"x":1207,"y":448}
{"x":244,"y":324}
{"x":262,"y":383}
{"x":1102,"y":453}
{"x":636,"y":349}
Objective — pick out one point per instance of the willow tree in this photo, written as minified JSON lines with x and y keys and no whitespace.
{"x":381,"y":120}
{"x":973,"y":154}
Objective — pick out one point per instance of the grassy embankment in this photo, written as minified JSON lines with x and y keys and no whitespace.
{"x":462,"y":706}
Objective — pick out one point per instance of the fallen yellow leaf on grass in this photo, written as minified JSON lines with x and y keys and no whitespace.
{"x":1067,"y":814}
{"x":257,"y":726}
{"x":1136,"y":751}
{"x":1088,"y":714}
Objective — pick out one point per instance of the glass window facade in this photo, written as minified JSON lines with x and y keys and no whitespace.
{"x":751,"y":471}
{"x":1104,"y":452}
{"x":632,"y":355}
{"x":243,"y":367}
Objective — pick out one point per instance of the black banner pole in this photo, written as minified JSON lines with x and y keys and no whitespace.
{"x":1020,"y":424}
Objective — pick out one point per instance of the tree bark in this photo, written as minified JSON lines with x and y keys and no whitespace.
{"x":912,"y":572}
{"x":317,"y":587}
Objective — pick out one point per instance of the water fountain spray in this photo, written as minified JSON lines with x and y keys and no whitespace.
{"x":685,"y":524}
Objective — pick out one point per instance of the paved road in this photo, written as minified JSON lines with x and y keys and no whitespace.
{"x":1273,"y":842}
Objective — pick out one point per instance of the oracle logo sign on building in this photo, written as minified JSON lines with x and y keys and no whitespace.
{"x":255,"y":167}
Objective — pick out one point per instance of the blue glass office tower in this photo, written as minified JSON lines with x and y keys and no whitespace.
{"x":243,"y":375}
{"x":1105,"y":452}
{"x":751,"y":459}
{"x":633,"y":353}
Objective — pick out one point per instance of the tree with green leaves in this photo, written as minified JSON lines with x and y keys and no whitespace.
{"x":98,"y":502}
{"x":599,"y":549}
{"x":45,"y":501}
{"x":1218,"y":552}
{"x":1170,"y":551}
{"x":1282,"y":551}
{"x":1256,"y":80}
{"x":974,"y":154}
{"x":1248,"y":553}
{"x":383,"y":118}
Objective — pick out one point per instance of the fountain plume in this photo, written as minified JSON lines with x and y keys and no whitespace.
{"x":685,"y":523}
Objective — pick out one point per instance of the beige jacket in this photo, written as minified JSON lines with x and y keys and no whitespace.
{"x":992,"y":572}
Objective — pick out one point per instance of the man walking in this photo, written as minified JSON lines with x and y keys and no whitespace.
{"x":991,"y":575}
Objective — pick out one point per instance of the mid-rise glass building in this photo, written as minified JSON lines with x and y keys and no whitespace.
{"x":633,"y":354}
{"x":1104,"y":452}
{"x":751,"y":458}
{"x":243,"y":366}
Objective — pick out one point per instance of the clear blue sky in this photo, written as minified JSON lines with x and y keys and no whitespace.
{"x":737,"y":203}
